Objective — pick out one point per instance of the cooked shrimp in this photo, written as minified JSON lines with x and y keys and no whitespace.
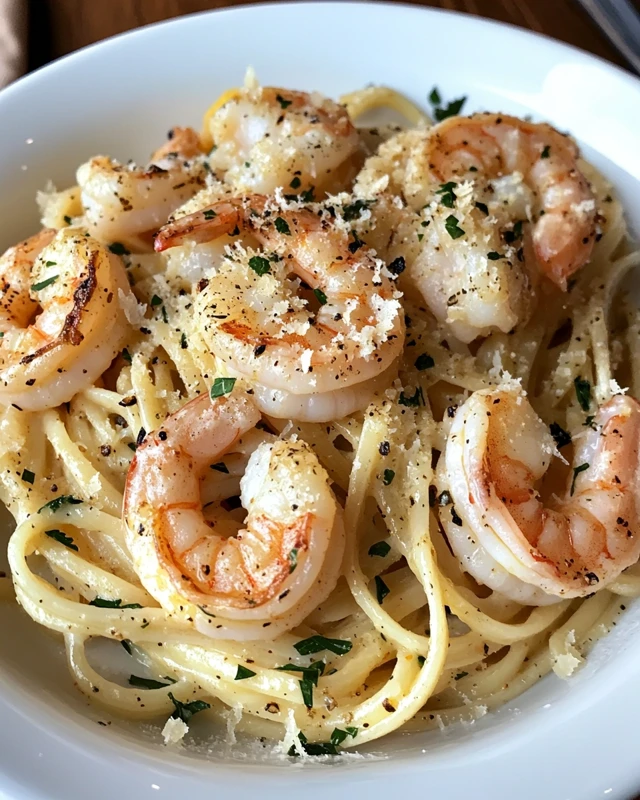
{"x":309,"y":366}
{"x":124,"y":202}
{"x":498,"y":202}
{"x":505,"y":537}
{"x":268,"y":137}
{"x":60,"y":317}
{"x":249,"y":583}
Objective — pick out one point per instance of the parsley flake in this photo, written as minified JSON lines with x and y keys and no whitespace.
{"x":101,"y":602}
{"x":61,"y":537}
{"x":36,"y":287}
{"x":321,"y":297}
{"x":54,"y":505}
{"x":222,"y":386}
{"x":28,"y":476}
{"x":382,"y":590}
{"x":282,"y":226}
{"x":560,"y":436}
{"x":243,"y":673}
{"x":146,"y":683}
{"x":380,"y":549}
{"x":583,"y":393}
{"x":259,"y":265}
{"x":424,"y":361}
{"x":317,"y":643}
{"x":452,"y":227}
{"x":118,"y":249}
{"x":388,"y":476}
{"x":185,"y":711}
{"x":576,"y":472}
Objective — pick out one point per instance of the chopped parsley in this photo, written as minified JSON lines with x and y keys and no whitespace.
{"x":101,"y":602}
{"x":295,"y":183}
{"x":416,"y":399}
{"x":306,"y":687}
{"x":243,"y":673}
{"x":356,"y":244}
{"x":54,"y":505}
{"x":353,"y":210}
{"x":118,"y":249}
{"x":455,"y":518}
{"x":28,"y":476}
{"x":185,"y":711}
{"x":380,"y":549}
{"x":311,"y":673}
{"x":67,"y":219}
{"x":313,"y":748}
{"x":156,"y":301}
{"x":220,"y":467}
{"x":282,"y":226}
{"x":483,"y":207}
{"x":61,"y":537}
{"x":382,"y":590}
{"x":307,"y":196}
{"x":545,"y":152}
{"x":388,"y":476}
{"x":317,"y":643}
{"x":293,"y":560}
{"x":209,"y":213}
{"x":493,"y":256}
{"x":421,"y":660}
{"x":397,"y":266}
{"x":424,"y":361}
{"x":183,"y":341}
{"x":146,"y":683}
{"x":512,"y":235}
{"x":583,"y":393}
{"x":126,"y":355}
{"x":561,"y":437}
{"x":441,"y":112}
{"x":338,"y":736}
{"x":43,"y":284}
{"x":320,"y":296}
{"x":259,"y":265}
{"x":448,"y":196}
{"x":576,"y":472}
{"x":222,"y":386}
{"x":461,"y":675}
{"x":452,"y":227}
{"x":283,"y":103}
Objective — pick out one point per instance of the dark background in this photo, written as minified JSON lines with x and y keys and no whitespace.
{"x":58,"y":27}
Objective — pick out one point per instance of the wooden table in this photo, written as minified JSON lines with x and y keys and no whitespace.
{"x":61,"y":26}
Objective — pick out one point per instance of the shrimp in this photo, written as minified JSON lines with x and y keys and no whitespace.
{"x":124,"y":202}
{"x":504,"y":536}
{"x":494,"y":204}
{"x":304,"y":365}
{"x":249,"y":583}
{"x":60,"y":318}
{"x":269,"y":137}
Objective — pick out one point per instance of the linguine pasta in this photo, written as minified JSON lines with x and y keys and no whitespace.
{"x":407,"y":640}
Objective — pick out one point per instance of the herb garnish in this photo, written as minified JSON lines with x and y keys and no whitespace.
{"x":380,"y":549}
{"x":126,"y":355}
{"x":560,"y":436}
{"x":321,"y":297}
{"x":295,"y":183}
{"x":416,"y":399}
{"x":283,"y":103}
{"x":583,"y":393}
{"x":397,"y":266}
{"x":452,"y":227}
{"x":243,"y":673}
{"x":306,"y":687}
{"x":317,"y":643}
{"x":55,"y":504}
{"x":387,"y":476}
{"x":455,"y":518}
{"x":483,"y":207}
{"x":259,"y":265}
{"x":61,"y":537}
{"x":28,"y":476}
{"x":512,"y":235}
{"x":293,"y":560}
{"x":311,"y":673}
{"x":424,"y":361}
{"x":146,"y":683}
{"x":282,"y":226}
{"x":353,"y":210}
{"x":461,"y":675}
{"x":67,"y":219}
{"x":185,"y":711}
{"x":101,"y":602}
{"x":382,"y":590}
{"x":545,"y":152}
{"x":448,"y":197}
{"x":43,"y":284}
{"x":222,"y":386}
{"x":493,"y":256}
{"x":118,"y":249}
{"x":450,"y":110}
{"x":576,"y":472}
{"x":220,"y":467}
{"x":209,"y":213}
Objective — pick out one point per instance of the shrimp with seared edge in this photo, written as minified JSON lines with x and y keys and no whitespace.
{"x":60,"y":317}
{"x":255,"y":318}
{"x":266,"y":138}
{"x":494,"y":205}
{"x":504,"y":536}
{"x":232,"y":582}
{"x":127,"y":203}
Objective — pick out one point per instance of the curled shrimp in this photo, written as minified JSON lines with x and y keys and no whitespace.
{"x":60,"y":317}
{"x":494,"y":204}
{"x":123,"y":203}
{"x":498,"y":526}
{"x":269,"y":137}
{"x":303,"y":365}
{"x":242,"y":583}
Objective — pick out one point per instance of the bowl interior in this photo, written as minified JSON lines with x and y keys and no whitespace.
{"x":121,"y":97}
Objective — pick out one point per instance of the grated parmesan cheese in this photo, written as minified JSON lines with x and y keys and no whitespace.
{"x":133,"y":311}
{"x":174,"y":731}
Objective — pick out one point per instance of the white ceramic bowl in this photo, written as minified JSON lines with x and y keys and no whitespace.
{"x":574,"y":739}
